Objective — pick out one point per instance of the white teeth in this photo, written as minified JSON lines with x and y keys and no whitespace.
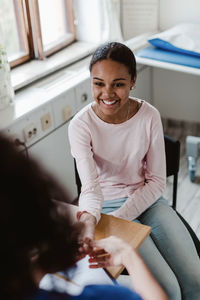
{"x":109,"y":102}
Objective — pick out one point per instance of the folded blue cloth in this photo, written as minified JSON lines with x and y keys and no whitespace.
{"x":183,"y":38}
{"x":168,"y":46}
{"x":169,"y":56}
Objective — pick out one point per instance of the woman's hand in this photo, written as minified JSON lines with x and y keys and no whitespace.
{"x":110,"y":251}
{"x":87,"y":234}
{"x":90,"y":224}
{"x":113,"y":251}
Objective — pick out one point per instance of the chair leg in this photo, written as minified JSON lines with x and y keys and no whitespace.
{"x":175,"y":191}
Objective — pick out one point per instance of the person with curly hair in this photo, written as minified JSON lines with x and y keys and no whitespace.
{"x":36,"y":239}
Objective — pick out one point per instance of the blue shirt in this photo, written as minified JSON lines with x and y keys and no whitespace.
{"x":91,"y":292}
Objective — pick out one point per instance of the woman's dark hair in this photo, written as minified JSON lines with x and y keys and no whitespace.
{"x":117,"y":52}
{"x":29,"y":223}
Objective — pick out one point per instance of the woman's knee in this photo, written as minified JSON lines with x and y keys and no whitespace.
{"x":161,"y":215}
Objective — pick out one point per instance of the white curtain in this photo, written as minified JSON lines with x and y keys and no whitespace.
{"x":110,"y":20}
{"x":97,"y":21}
{"x":6,"y":89}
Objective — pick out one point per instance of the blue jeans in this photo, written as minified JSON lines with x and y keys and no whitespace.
{"x":169,"y":251}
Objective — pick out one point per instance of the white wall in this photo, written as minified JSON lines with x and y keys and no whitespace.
{"x":143,"y":88}
{"x":139,"y":16}
{"x":173,"y":12}
{"x":175,"y":94}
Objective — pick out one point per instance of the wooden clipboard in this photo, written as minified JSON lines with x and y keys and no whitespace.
{"x":132,"y":232}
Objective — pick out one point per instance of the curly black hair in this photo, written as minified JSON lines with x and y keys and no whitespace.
{"x":28,"y":223}
{"x":117,"y":52}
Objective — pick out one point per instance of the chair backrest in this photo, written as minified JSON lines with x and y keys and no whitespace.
{"x":78,"y":181}
{"x":172,"y":152}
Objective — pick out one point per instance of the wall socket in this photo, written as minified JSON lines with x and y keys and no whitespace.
{"x":30,"y":132}
{"x":66,"y":113}
{"x":46,"y":121}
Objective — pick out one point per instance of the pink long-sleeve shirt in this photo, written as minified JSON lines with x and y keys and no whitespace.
{"x":119,"y":160}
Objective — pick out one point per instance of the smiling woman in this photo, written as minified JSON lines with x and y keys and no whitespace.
{"x":118,"y":144}
{"x":112,"y":80}
{"x":111,"y":84}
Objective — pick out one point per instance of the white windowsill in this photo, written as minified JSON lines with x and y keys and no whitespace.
{"x":29,"y":75}
{"x":36,"y":69}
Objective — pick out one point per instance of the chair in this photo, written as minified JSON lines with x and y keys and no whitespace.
{"x":172,"y":151}
{"x":77,"y":178}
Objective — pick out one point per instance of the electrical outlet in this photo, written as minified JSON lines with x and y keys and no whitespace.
{"x":46,"y":121}
{"x":30,"y":132}
{"x":66,"y":113}
{"x":16,"y":139}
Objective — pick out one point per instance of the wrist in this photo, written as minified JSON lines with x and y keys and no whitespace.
{"x":128,"y":255}
{"x":80,"y":213}
{"x":86,"y":217}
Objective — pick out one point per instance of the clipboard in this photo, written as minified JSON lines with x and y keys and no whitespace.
{"x":131,"y":232}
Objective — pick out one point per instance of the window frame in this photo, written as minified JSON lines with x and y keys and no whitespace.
{"x":24,"y":33}
{"x":29,"y":31}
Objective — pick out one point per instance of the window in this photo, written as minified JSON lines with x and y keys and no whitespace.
{"x":35,"y":28}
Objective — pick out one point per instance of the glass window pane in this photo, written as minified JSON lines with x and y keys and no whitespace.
{"x":9,"y":35}
{"x":53,"y":21}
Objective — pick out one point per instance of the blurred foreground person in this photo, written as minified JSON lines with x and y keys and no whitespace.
{"x":35,"y":240}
